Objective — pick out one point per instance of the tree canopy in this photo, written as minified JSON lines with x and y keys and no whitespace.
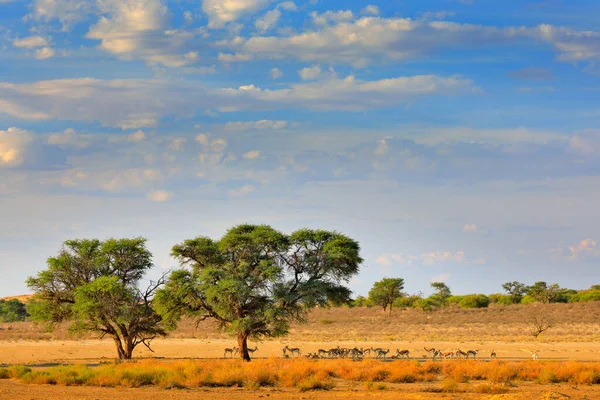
{"x":93,"y":285}
{"x":12,"y":310}
{"x":516,"y":290}
{"x":442,"y":292}
{"x":255,"y":280}
{"x":386,"y":291}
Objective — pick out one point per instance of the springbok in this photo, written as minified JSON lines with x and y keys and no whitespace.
{"x":493,"y":354}
{"x":382,"y":353}
{"x":534,"y":354}
{"x":251,"y":351}
{"x":460,"y":353}
{"x":293,"y":350}
{"x":472,"y":353}
{"x":403,"y":353}
{"x":232,"y":351}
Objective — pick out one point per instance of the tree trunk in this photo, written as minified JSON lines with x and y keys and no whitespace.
{"x":243,"y":345}
{"x":124,"y":347}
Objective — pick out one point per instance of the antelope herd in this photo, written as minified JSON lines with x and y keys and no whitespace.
{"x":376,"y":353}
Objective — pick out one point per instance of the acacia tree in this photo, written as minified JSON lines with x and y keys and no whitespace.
{"x":386,"y":291}
{"x":255,"y":280}
{"x":442,"y":292}
{"x":94,"y":286}
{"x":543,"y":293}
{"x":516,"y":290}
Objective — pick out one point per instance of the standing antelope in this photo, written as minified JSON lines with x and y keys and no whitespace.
{"x":382,"y":353}
{"x":449,"y":354}
{"x":472,"y":353}
{"x":460,"y":353}
{"x":403,"y":353}
{"x":534,"y":354}
{"x":251,"y":351}
{"x":293,"y":350}
{"x":493,"y":354}
{"x":233,"y":352}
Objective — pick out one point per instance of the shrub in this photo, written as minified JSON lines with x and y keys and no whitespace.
{"x":474,"y":301}
{"x":449,"y":385}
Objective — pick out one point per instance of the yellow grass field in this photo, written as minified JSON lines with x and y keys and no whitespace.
{"x":572,"y":344}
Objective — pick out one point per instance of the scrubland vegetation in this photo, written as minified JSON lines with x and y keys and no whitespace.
{"x":307,"y":375}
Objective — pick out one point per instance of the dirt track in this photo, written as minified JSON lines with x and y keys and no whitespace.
{"x":89,"y":351}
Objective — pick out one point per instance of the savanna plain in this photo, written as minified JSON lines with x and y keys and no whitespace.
{"x":191,"y":363}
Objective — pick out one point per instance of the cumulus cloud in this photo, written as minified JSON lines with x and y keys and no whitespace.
{"x":264,"y":124}
{"x":275,"y":73}
{"x":13,"y":143}
{"x":138,"y":29}
{"x":159,"y":196}
{"x":431,"y":258}
{"x":584,"y":250}
{"x":135,"y":104}
{"x":242,"y":191}
{"x":44,"y":53}
{"x":68,"y":12}
{"x":70,"y":139}
{"x":342,"y":38}
{"x":221,"y":12}
{"x":30,"y":41}
{"x":268,"y":21}
{"x":136,"y":136}
{"x":473,"y":228}
{"x":370,"y":10}
{"x":252,"y":155}
{"x":310,"y":73}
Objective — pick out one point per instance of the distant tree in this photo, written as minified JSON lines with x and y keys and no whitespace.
{"x":94,"y":286}
{"x":361,"y":301}
{"x":386,"y":291}
{"x":12,"y":310}
{"x":516,"y":290}
{"x":545,"y":293}
{"x":474,"y":301}
{"x":442,"y":293}
{"x":539,"y":324}
{"x":595,"y":287}
{"x":255,"y":280}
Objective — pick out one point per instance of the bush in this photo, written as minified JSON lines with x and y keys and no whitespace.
{"x":502,"y":299}
{"x":474,"y":301}
{"x":12,"y":311}
{"x":585,"y":295}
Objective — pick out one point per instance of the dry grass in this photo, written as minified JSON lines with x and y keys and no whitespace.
{"x":310,"y":375}
{"x":577,"y":322}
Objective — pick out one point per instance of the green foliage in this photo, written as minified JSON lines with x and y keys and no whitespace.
{"x":442,"y":293}
{"x":585,"y":295}
{"x":12,"y":310}
{"x":426,"y":304}
{"x":474,"y":301}
{"x":386,"y":291}
{"x":407,"y":301}
{"x":361,"y":301}
{"x":93,"y":285}
{"x":499,"y":298}
{"x":255,"y":280}
{"x":544,"y":293}
{"x":516,"y":290}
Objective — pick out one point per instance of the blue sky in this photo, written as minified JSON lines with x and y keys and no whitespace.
{"x":457,"y":140}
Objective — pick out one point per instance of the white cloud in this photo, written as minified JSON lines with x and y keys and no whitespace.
{"x":288,"y":6}
{"x":30,"y":41}
{"x":135,"y":104}
{"x":203,"y":138}
{"x":370,"y":10}
{"x":268,"y":21}
{"x":44,"y":53}
{"x":441,"y":278}
{"x":177,"y":144}
{"x":159,"y":196}
{"x":310,"y":73}
{"x":68,"y":12}
{"x":331,"y":16}
{"x":275,"y":73}
{"x":242,"y":191}
{"x":69,"y":138}
{"x":383,"y":260}
{"x":473,"y":228}
{"x":252,"y":155}
{"x":221,"y":12}
{"x":136,"y":136}
{"x":255,"y":125}
{"x":234,"y":57}
{"x":584,"y":250}
{"x":13,"y":144}
{"x":359,"y":42}
{"x":138,"y":29}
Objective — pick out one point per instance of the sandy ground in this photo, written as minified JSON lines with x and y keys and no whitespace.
{"x":11,"y":389}
{"x":46,"y":352}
